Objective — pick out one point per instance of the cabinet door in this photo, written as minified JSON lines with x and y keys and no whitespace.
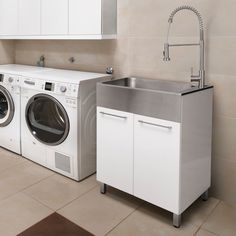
{"x":29,"y":17}
{"x":54,"y":17}
{"x":156,"y":161}
{"x":8,"y":17}
{"x":115,"y":148}
{"x":85,"y":17}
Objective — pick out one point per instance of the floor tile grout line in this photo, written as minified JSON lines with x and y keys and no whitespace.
{"x":135,"y":209}
{"x":61,"y":206}
{"x":76,"y":198}
{"x":207,"y":217}
{"x":215,"y":234}
{"x":21,"y":191}
{"x":38,"y":201}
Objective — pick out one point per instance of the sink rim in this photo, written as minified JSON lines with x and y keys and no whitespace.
{"x":191,"y":88}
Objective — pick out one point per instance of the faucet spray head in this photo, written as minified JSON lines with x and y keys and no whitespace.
{"x":166,"y":53}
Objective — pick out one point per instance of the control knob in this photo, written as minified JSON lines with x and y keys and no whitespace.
{"x":10,"y":79}
{"x":63,"y":89}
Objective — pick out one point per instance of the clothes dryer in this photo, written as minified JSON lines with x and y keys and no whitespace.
{"x":58,"y":118}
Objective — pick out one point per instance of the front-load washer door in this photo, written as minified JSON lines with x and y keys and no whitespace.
{"x":7,"y":108}
{"x":47,"y":119}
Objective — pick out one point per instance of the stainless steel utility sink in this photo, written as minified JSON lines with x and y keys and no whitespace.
{"x":155,"y":98}
{"x":151,"y":84}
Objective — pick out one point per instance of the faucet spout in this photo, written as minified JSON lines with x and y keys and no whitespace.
{"x":201,"y":74}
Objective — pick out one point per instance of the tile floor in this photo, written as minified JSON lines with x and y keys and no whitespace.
{"x":29,"y":193}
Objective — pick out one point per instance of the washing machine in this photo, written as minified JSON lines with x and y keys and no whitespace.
{"x":10,"y":112}
{"x":58,"y":118}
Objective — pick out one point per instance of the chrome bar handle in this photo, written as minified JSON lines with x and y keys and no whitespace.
{"x":161,"y":126}
{"x":117,"y":116}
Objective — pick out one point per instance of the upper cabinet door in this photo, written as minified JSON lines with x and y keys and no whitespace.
{"x":29,"y":17}
{"x":54,"y":17}
{"x":8,"y":17}
{"x":85,"y":17}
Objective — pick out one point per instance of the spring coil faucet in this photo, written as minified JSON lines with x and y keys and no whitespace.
{"x":200,"y":78}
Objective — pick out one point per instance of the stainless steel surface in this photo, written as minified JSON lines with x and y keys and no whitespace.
{"x":152,"y":84}
{"x":103,"y":188}
{"x":201,"y":74}
{"x":177,"y":220}
{"x":152,"y":124}
{"x":108,"y":114}
{"x":155,"y":98}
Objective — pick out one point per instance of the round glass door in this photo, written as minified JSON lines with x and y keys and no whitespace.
{"x":47,"y":119}
{"x":6,"y":107}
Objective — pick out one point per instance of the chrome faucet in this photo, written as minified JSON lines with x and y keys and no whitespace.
{"x":41,"y":61}
{"x":200,"y":78}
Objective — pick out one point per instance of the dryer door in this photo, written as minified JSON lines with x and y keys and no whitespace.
{"x":47,"y":119}
{"x":7,"y":108}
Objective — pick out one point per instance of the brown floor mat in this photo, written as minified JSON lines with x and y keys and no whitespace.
{"x":55,"y":224}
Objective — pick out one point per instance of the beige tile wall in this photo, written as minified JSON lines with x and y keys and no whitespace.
{"x":7,"y":51}
{"x":142,"y":27}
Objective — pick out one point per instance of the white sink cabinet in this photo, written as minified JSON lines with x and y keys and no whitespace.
{"x":163,"y":162}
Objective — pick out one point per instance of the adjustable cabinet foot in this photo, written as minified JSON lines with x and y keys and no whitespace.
{"x":204,"y":196}
{"x":177,"y":220}
{"x":103,"y":188}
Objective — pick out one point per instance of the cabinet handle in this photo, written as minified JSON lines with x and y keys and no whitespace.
{"x":161,"y":126}
{"x":108,"y":114}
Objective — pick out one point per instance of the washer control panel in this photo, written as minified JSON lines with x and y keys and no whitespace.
{"x":66,"y":89}
{"x":9,"y":79}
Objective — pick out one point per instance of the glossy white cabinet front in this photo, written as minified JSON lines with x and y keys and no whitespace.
{"x":115,"y":148}
{"x":156,"y":161}
{"x":29,"y":17}
{"x":8,"y":17}
{"x":58,"y":19}
{"x":54,"y":17}
{"x":139,"y":155}
{"x":85,"y":17}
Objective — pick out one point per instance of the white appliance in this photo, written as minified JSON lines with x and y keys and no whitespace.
{"x":58,"y":121}
{"x":10,"y":105}
{"x":10,"y":112}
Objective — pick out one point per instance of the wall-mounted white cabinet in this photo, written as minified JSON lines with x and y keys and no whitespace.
{"x":8,"y":17}
{"x":29,"y":17}
{"x":85,"y":19}
{"x":58,"y":19}
{"x":54,"y":18}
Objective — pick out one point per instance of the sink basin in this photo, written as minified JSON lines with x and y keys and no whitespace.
{"x":154,"y":98}
{"x":151,"y":84}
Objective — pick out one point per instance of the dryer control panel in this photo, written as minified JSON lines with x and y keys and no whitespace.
{"x":66,"y":89}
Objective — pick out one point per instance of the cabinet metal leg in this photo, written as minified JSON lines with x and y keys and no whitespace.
{"x":205,"y":196}
{"x":103,"y":188}
{"x":177,"y":220}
